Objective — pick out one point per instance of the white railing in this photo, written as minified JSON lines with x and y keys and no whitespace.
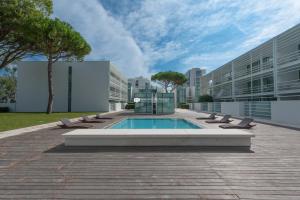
{"x":290,"y":57}
{"x":254,"y":109}
{"x":242,"y":91}
{"x":284,"y":112}
{"x":267,"y":65}
{"x":289,"y":85}
{"x":242,"y":72}
{"x":206,"y":107}
{"x":257,"y":109}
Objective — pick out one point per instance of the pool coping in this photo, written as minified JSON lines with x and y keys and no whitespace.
{"x":158,"y":137}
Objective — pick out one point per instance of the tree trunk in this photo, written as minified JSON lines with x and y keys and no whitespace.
{"x":50,"y":87}
{"x":166,"y":88}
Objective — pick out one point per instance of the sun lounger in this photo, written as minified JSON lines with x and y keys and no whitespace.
{"x":211,"y":116}
{"x":66,"y":123}
{"x":244,"y":124}
{"x":98,"y":116}
{"x":225,"y":119}
{"x":86,"y":119}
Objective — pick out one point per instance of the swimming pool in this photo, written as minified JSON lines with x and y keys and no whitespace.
{"x":154,"y":123}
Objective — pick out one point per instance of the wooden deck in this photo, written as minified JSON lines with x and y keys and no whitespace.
{"x":38,"y":166}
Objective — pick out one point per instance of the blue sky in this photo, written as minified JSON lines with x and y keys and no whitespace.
{"x":143,"y":37}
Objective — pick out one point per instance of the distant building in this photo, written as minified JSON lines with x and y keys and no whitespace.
{"x":191,"y":90}
{"x":136,"y":84}
{"x":180,"y":95}
{"x":78,"y":87}
{"x":193,"y":84}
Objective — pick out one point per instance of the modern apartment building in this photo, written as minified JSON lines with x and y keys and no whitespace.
{"x":270,"y":71}
{"x":193,"y":84}
{"x":78,"y":87}
{"x":180,"y":95}
{"x":136,"y":84}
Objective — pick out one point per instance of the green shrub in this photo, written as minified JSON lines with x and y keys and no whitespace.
{"x":4,"y":109}
{"x":130,"y":106}
{"x":184,"y":106}
{"x":206,"y":98}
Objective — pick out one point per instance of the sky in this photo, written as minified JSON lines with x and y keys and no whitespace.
{"x":142,"y":37}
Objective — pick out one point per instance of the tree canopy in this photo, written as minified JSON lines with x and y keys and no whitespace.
{"x":169,"y":80}
{"x":16,"y":18}
{"x":58,"y":40}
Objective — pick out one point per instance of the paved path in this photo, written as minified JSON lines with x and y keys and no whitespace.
{"x":36,"y":165}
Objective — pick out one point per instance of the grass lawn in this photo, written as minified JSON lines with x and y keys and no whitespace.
{"x":9,"y":121}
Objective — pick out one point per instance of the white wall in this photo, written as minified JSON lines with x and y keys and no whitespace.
{"x":31,"y":95}
{"x":60,"y":87}
{"x":90,"y":86}
{"x":286,"y":112}
{"x":116,"y":106}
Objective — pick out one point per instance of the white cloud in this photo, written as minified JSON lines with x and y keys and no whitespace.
{"x":161,"y":31}
{"x":209,"y":60}
{"x":107,"y":36}
{"x":270,"y":18}
{"x":273,"y":17}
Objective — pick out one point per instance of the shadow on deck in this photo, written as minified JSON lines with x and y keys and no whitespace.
{"x":161,"y":149}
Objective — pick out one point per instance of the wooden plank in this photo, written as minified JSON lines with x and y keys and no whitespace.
{"x":37,"y":166}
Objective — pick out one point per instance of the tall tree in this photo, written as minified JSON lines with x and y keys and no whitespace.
{"x":58,"y":41}
{"x":169,"y":80}
{"x":16,"y":17}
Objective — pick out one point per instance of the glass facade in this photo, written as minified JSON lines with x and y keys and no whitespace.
{"x":151,"y":102}
{"x":165,"y":103}
{"x":144,"y":106}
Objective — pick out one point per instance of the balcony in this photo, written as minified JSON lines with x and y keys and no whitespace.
{"x":289,"y":57}
{"x":289,"y":85}
{"x":243,"y":71}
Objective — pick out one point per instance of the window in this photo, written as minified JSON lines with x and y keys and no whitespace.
{"x":268,"y":80}
{"x":256,"y":63}
{"x":227,"y":76}
{"x":248,"y":85}
{"x":266,"y":59}
{"x":137,"y":83}
{"x":256,"y":86}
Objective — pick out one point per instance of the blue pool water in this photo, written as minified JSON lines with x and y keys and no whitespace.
{"x":154,"y":123}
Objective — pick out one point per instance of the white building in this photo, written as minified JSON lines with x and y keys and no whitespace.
{"x":135,"y":84}
{"x":193,"y":84}
{"x":270,"y":71}
{"x":78,"y":87}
